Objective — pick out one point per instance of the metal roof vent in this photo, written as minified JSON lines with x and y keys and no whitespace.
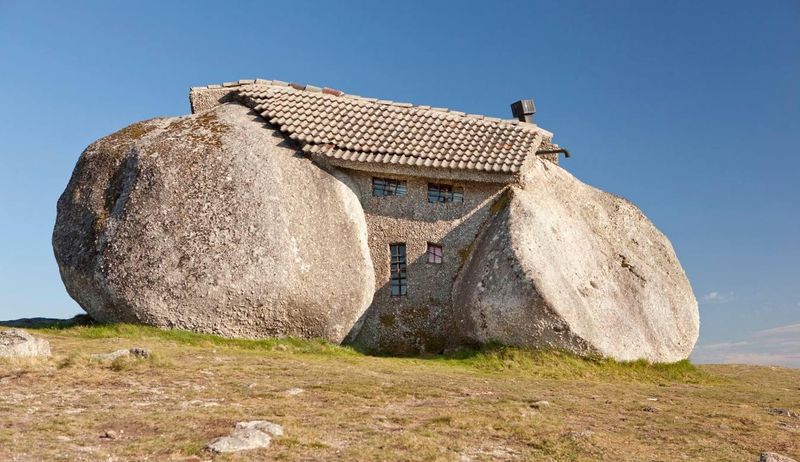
{"x":523,"y":110}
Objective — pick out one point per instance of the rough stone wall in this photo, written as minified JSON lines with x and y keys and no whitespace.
{"x":419,"y":321}
{"x":203,"y":99}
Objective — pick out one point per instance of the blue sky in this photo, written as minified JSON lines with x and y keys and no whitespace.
{"x":689,"y":109}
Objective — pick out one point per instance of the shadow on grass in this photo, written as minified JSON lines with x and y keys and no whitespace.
{"x":494,"y":358}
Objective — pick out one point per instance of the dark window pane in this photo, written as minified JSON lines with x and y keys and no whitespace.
{"x":397,"y":267}
{"x":388,"y":187}
{"x":444,"y":193}
{"x":458,"y":195}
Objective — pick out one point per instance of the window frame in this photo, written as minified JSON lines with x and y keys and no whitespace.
{"x":431,"y":252}
{"x":444,"y":193}
{"x":398,"y":264}
{"x":386,"y":187}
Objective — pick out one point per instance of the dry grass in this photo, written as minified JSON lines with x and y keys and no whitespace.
{"x":470,"y":406}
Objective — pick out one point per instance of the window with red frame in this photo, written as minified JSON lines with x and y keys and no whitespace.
{"x":435,"y":254}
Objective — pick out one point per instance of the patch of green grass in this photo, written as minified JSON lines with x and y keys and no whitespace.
{"x":561,"y":364}
{"x":124,"y":363}
{"x":490,"y":359}
{"x":139,"y":332}
{"x":191,"y":448}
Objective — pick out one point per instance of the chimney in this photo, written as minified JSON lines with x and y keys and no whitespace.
{"x":523,"y":110}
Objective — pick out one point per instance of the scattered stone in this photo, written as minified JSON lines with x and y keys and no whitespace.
{"x":782,"y":412}
{"x":246,"y":436}
{"x":652,"y":409}
{"x":16,"y":343}
{"x":577,"y":435}
{"x":262,"y":425}
{"x":137,"y":353}
{"x":241,"y":440}
{"x":774,"y":457}
{"x":540,"y":404}
{"x":109,"y":435}
{"x":652,"y":399}
{"x":294,"y":391}
{"x":140,"y":352}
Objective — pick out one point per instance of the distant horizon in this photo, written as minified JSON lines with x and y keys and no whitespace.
{"x":676,"y":107}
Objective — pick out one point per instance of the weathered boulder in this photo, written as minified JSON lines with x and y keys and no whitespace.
{"x":213,"y":223}
{"x":569,"y":266}
{"x":16,"y":343}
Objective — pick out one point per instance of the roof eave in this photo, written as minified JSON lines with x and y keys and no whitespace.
{"x":418,"y":171}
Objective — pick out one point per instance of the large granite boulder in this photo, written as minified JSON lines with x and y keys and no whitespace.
{"x":569,"y":266}
{"x":213,"y":223}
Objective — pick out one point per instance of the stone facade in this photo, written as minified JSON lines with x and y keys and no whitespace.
{"x":419,"y":321}
{"x":203,"y":99}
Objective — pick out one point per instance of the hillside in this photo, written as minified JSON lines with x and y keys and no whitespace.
{"x":337,"y":404}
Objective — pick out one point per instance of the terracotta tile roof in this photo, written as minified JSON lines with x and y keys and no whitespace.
{"x":347,"y":127}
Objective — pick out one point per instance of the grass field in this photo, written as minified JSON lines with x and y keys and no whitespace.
{"x":482,"y":405}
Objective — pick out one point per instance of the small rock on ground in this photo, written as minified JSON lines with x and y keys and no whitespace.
{"x":774,"y":457}
{"x":109,"y":435}
{"x":540,"y":404}
{"x":136,"y":352}
{"x":246,"y":436}
{"x":783,"y":412}
{"x":294,"y":391}
{"x":16,"y":343}
{"x":262,"y":425}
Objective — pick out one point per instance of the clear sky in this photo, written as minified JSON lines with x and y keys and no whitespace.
{"x":690,"y":109}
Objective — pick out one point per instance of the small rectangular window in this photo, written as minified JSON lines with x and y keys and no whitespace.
{"x":434,"y":254}
{"x":399,"y":285}
{"x":388,"y":187}
{"x":445,"y":193}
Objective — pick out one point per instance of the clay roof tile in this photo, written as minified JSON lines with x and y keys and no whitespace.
{"x":370,"y":130}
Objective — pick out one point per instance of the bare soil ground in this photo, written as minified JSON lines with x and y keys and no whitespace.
{"x":467,"y":407}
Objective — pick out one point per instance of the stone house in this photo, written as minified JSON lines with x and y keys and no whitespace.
{"x":280,"y":209}
{"x":428,"y":179}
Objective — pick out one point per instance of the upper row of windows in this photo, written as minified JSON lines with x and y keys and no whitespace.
{"x":436,"y":192}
